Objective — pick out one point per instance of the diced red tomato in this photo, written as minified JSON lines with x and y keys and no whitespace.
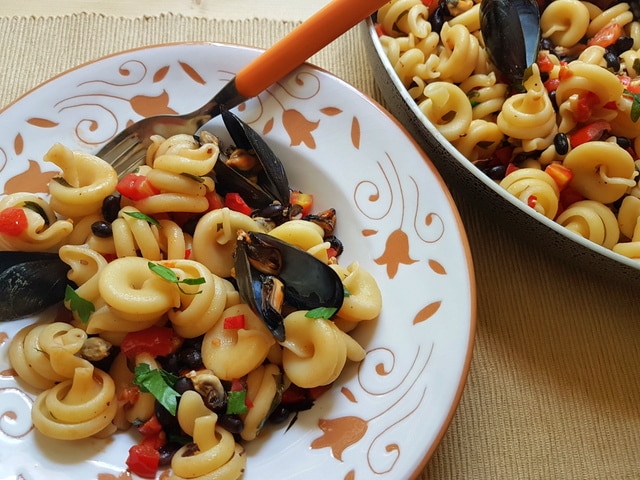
{"x":237,"y":385}
{"x":607,"y":36}
{"x":234,"y":202}
{"x":564,"y":72}
{"x":332,"y":252}
{"x":13,"y":221}
{"x":560,"y":174}
{"x":552,"y":84}
{"x":234,"y":322}
{"x":129,"y":395}
{"x":143,"y":460}
{"x":215,"y":200}
{"x":590,"y":132}
{"x":544,"y":62}
{"x":136,"y":187}
{"x":630,"y":87}
{"x":511,"y":167}
{"x":532,"y":201}
{"x":569,"y":196}
{"x":379,"y":29}
{"x":157,"y":341}
{"x":584,"y":106}
{"x":151,"y":427}
{"x":304,"y":200}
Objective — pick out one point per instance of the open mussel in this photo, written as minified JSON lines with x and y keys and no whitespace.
{"x":271,"y":273}
{"x":511,"y":33}
{"x":30,"y":282}
{"x":252,"y":170}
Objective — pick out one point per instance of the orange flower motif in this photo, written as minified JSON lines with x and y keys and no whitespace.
{"x":299,"y":128}
{"x":340,"y":433}
{"x":32,"y":180}
{"x":148,"y":106}
{"x":396,"y":251}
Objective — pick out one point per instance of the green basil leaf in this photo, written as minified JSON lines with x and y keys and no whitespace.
{"x":193,"y":177}
{"x":84,"y":308}
{"x":321,"y":312}
{"x":38,"y":209}
{"x":236,"y":403}
{"x":145,"y":217}
{"x":158,"y":383}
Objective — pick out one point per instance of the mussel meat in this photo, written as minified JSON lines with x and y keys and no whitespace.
{"x":270,"y":187}
{"x":30,"y":282}
{"x":511,"y":33}
{"x":271,"y":273}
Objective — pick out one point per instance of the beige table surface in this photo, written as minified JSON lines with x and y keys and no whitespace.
{"x":554,"y":386}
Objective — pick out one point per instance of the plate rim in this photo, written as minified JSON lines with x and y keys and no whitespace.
{"x":471,"y":327}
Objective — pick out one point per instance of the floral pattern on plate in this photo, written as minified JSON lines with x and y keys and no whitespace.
{"x":384,"y":417}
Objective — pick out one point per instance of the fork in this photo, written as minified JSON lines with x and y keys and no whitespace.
{"x":127,"y":149}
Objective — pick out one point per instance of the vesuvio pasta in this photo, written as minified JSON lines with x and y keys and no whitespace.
{"x":565,"y":141}
{"x":155,"y":333}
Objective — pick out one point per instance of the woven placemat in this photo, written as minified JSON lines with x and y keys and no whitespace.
{"x":554,"y":386}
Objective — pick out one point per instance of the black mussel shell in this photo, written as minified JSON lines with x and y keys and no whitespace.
{"x":511,"y":33}
{"x":251,"y":285}
{"x":273,"y":178}
{"x":308,"y":283}
{"x":30,"y":282}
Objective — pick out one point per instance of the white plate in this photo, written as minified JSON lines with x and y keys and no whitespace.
{"x":384,"y":418}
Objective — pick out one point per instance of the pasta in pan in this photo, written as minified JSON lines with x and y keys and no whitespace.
{"x":154,"y":297}
{"x":573,"y":117}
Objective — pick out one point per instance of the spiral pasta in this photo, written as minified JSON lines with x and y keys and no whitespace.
{"x":154,"y":298}
{"x":576,"y":105}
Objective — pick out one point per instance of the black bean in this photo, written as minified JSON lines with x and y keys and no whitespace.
{"x":111,"y":207}
{"x":101,"y":229}
{"x":623,"y":142}
{"x":496,"y":172}
{"x":561,"y":142}
{"x":613,"y":62}
{"x":554,"y":102}
{"x":231,"y":423}
{"x":167,"y":451}
{"x":622,"y":45}
{"x":183,"y":384}
{"x":279,"y":414}
{"x":190,"y":358}
{"x":546,"y":44}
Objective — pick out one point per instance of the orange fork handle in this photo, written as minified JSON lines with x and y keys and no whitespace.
{"x":305,"y":40}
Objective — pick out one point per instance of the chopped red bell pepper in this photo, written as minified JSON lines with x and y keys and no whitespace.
{"x":589,"y":132}
{"x":144,"y":460}
{"x":304,"y":200}
{"x":157,"y":341}
{"x":234,"y":322}
{"x":379,"y":29}
{"x":532,"y":201}
{"x":234,"y":202}
{"x":560,"y":174}
{"x":136,"y":187}
{"x":13,"y":221}
{"x":607,"y":36}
